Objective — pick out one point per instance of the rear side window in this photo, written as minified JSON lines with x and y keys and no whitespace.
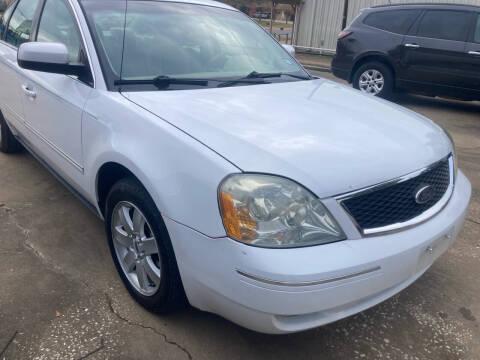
{"x":476,"y":35}
{"x":396,"y":21}
{"x":20,"y":25}
{"x":446,"y":25}
{"x":4,"y":19}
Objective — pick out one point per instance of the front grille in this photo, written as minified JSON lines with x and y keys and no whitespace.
{"x":396,"y":203}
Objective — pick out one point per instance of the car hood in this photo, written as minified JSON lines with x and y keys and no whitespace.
{"x":328,"y":137}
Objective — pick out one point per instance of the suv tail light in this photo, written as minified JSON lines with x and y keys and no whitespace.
{"x":344,"y":34}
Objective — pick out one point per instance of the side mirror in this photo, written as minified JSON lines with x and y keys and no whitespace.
{"x":290,"y":49}
{"x":47,"y":57}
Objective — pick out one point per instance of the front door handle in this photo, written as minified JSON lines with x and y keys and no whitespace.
{"x":414,"y":46}
{"x":30,"y":93}
{"x":474,"y":52}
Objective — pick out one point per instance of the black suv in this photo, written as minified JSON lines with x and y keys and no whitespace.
{"x":428,"y":49}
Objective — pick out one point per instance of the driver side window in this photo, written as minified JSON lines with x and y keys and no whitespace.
{"x":57,"y":24}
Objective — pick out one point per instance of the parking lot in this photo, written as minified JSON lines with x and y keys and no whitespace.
{"x":61,"y":297}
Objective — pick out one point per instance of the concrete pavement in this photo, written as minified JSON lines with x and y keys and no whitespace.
{"x":60,"y":290}
{"x":313,"y":62}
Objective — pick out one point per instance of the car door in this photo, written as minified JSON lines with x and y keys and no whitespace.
{"x":472,"y":53}
{"x":16,"y":25}
{"x":433,"y":52}
{"x":53,"y":102}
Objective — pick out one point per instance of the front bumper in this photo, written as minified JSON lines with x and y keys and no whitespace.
{"x":288,"y":290}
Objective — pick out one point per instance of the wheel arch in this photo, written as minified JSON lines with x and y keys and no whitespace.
{"x":371,"y":57}
{"x":108,"y":174}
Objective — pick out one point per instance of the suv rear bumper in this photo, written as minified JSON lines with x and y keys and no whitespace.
{"x":289,"y":290}
{"x":340,"y":68}
{"x":341,"y":73}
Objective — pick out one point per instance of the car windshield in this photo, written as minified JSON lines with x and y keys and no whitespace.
{"x":186,"y":41}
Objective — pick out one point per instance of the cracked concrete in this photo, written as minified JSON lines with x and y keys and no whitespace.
{"x":474,"y":221}
{"x":151,"y":328}
{"x":61,"y":292}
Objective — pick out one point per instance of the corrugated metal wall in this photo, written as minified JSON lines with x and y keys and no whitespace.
{"x":319,"y":22}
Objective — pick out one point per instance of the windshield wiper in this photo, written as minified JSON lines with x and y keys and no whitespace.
{"x":163,"y":81}
{"x":258,"y":78}
{"x":301,"y":77}
{"x":227,"y":83}
{"x":257,"y":75}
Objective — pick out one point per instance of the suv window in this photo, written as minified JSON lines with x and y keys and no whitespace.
{"x":444,"y":24}
{"x":396,"y":21}
{"x":20,"y":24}
{"x":476,"y":35}
{"x":57,"y":24}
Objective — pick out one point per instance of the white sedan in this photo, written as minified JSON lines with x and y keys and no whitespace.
{"x":227,"y":176}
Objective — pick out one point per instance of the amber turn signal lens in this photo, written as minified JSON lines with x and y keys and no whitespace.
{"x":238,"y":222}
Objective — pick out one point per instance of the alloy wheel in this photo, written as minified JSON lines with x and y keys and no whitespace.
{"x":371,"y":82}
{"x":136,"y":248}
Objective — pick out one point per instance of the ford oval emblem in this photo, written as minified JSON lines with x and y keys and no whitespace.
{"x":424,"y":194}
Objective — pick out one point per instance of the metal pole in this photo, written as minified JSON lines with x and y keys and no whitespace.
{"x":293,"y":22}
{"x":296,"y":23}
{"x":345,"y":14}
{"x":271,"y":17}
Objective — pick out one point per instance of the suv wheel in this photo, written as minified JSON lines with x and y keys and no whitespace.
{"x":374,"y":78}
{"x":141,"y":248}
{"x":8,"y":143}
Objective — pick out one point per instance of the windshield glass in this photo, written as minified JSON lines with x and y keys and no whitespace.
{"x":182,"y":40}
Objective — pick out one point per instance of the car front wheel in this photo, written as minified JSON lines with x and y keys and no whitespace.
{"x":374,"y":78}
{"x":141,"y":248}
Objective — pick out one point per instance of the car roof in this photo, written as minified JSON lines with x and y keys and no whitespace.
{"x":196,"y":2}
{"x":446,"y":6}
{"x":201,"y":2}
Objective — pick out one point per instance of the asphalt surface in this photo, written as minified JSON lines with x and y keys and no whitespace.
{"x":61,"y":298}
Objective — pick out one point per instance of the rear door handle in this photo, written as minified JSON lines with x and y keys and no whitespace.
{"x":30,"y":93}
{"x":474,"y":52}
{"x":414,"y":46}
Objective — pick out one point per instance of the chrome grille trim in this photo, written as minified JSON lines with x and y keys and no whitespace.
{"x":426,"y":215}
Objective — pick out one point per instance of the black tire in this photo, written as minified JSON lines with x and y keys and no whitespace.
{"x":170,"y":295}
{"x":384,"y":70}
{"x":8,"y":143}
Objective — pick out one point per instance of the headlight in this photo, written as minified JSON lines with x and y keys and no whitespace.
{"x":271,"y":211}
